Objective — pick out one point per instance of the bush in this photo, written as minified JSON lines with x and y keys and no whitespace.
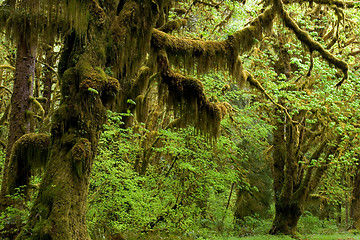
{"x":309,"y":224}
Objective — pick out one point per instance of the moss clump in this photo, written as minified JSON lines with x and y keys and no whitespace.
{"x":202,"y":55}
{"x":79,"y":155}
{"x":30,"y":152}
{"x":173,"y":25}
{"x":187,"y":97}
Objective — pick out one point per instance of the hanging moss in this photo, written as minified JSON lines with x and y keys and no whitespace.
{"x":130,"y":37}
{"x":79,"y":155}
{"x":202,"y":55}
{"x":141,"y":108}
{"x":187,"y":97}
{"x":29,"y":153}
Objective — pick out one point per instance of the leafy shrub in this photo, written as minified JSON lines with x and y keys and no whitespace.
{"x":184,"y":190}
{"x":15,"y":216}
{"x":309,"y":224}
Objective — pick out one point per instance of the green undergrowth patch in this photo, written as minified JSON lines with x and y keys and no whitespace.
{"x":338,"y":236}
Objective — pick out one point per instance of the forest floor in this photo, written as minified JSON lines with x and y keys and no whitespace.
{"x":340,"y":236}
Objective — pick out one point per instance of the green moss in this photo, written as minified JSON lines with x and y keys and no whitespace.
{"x":173,"y":25}
{"x":203,"y":56}
{"x":187,"y":97}
{"x":69,"y":77}
{"x":29,"y":153}
{"x":29,"y":114}
{"x":33,"y":148}
{"x":79,"y":154}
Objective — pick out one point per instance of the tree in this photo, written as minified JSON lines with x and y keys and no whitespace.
{"x":309,"y":118}
{"x":23,"y":84}
{"x":120,"y":37}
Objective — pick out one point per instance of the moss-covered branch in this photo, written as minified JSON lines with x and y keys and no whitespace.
{"x":7,"y":67}
{"x":203,"y":55}
{"x":28,"y":153}
{"x":187,"y":97}
{"x":305,"y":38}
{"x":6,"y":89}
{"x":173,"y":25}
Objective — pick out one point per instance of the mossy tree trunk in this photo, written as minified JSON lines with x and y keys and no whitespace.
{"x":20,"y":115}
{"x":59,"y":211}
{"x":296,"y":177}
{"x":355,"y":200}
{"x":119,"y":38}
{"x":286,"y":218}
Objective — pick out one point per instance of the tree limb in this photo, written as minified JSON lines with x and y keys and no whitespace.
{"x":305,"y":38}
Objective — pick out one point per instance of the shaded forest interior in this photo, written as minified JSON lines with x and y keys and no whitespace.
{"x":156,"y":119}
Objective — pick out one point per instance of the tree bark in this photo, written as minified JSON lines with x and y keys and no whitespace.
{"x":287,"y":215}
{"x":60,"y":208}
{"x":355,"y":200}
{"x":20,"y":115}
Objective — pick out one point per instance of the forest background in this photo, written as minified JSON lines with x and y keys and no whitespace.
{"x":217,"y":120}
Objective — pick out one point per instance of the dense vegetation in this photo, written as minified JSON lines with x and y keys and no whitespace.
{"x":179,"y":119}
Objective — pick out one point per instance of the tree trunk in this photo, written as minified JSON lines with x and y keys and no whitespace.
{"x":20,"y":115}
{"x":286,"y":218}
{"x":355,"y":200}
{"x":48,"y":78}
{"x":60,"y":208}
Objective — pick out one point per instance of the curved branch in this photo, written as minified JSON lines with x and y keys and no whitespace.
{"x":205,"y":55}
{"x":7,"y":67}
{"x":253,"y":82}
{"x":305,"y":38}
{"x":187,"y":97}
{"x":6,"y":89}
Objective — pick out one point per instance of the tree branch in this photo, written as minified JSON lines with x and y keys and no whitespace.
{"x":305,"y":38}
{"x":205,"y":55}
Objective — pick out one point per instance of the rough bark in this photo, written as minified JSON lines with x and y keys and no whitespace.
{"x":86,"y":92}
{"x":59,"y":211}
{"x":286,"y":217}
{"x":20,"y":105}
{"x":355,"y":200}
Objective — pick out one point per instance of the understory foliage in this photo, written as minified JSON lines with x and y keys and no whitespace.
{"x":186,"y":189}
{"x":232,"y":118}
